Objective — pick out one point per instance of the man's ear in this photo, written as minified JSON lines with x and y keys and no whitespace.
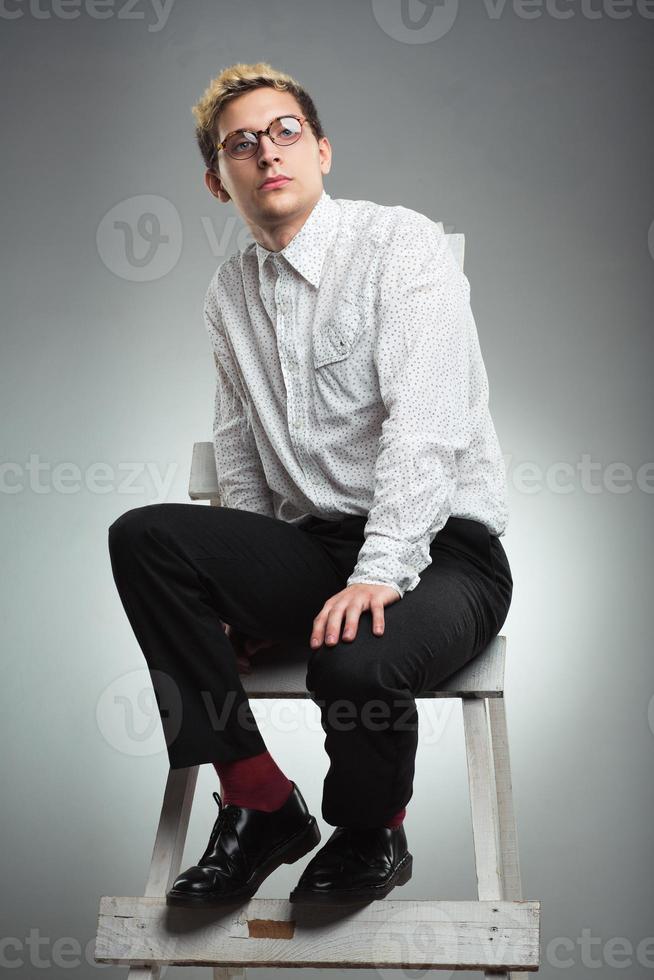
{"x":325,"y":155}
{"x":216,"y":186}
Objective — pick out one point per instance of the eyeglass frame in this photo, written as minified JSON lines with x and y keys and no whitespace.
{"x":263,"y":132}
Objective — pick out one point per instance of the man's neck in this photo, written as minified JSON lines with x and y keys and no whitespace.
{"x":277,"y":236}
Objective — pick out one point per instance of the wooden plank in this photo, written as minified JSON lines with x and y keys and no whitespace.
{"x":203,"y":482}
{"x":408,"y":935}
{"x":508,"y":838}
{"x":456,"y":241}
{"x":280,"y":672}
{"x":483,"y":799}
{"x":511,"y":882}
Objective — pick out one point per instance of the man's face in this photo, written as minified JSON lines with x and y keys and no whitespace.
{"x":304,"y":162}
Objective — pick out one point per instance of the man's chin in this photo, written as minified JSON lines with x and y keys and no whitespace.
{"x":284,"y":193}
{"x":282,"y":202}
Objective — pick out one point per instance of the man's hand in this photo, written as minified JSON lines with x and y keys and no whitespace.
{"x":245,"y":646}
{"x":350,"y":603}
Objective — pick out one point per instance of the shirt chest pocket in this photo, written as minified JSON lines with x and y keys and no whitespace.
{"x":334,"y":338}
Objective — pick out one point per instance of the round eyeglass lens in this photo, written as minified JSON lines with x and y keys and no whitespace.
{"x":284,"y":131}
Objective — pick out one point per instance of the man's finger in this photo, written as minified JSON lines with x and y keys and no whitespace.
{"x":333,"y":628}
{"x":318,"y":631}
{"x":377,"y":618}
{"x":351,"y":623}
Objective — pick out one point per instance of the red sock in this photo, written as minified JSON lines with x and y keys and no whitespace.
{"x":397,"y":819}
{"x":256,"y":782}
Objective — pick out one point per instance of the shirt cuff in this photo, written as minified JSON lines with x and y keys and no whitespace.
{"x":360,"y":580}
{"x":387,"y":571}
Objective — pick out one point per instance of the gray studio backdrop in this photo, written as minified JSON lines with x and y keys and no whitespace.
{"x":525,"y":126}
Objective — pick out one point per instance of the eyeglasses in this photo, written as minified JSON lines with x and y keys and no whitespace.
{"x":244,"y":143}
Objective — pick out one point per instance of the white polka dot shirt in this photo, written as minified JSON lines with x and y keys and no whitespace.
{"x":350,"y":381}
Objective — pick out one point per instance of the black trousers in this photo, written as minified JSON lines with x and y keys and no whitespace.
{"x":181,"y":568}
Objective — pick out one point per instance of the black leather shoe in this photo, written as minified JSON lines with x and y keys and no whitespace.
{"x":245,"y":846}
{"x":356,"y":865}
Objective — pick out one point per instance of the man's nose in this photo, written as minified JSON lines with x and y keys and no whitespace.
{"x":267,"y":149}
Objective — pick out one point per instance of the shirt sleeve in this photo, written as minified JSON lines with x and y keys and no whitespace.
{"x":426,"y":335}
{"x":241,"y":480}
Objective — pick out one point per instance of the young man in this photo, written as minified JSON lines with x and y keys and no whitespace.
{"x":363,"y":494}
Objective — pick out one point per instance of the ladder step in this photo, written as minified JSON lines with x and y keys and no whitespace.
{"x":406,"y":934}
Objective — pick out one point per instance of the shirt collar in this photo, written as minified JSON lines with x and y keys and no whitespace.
{"x":306,"y":250}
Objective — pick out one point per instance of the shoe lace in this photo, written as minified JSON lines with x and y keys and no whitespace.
{"x":226,"y":820}
{"x":227,"y":813}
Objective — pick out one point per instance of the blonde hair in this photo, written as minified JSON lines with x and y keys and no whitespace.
{"x":234,"y":81}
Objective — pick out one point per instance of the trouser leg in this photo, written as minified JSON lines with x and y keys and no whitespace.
{"x":366,"y":688}
{"x":182,"y":568}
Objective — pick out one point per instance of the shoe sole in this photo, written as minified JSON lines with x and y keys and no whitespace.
{"x":286,"y":853}
{"x":342,"y":896}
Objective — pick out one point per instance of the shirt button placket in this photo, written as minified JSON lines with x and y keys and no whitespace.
{"x":287,"y":352}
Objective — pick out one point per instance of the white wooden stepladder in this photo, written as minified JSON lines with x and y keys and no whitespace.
{"x":498,"y":933}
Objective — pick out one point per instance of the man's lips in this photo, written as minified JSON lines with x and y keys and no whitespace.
{"x":275,"y":182}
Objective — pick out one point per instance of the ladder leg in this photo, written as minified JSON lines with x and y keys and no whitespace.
{"x":483,"y":805}
{"x":228,"y":972}
{"x":508,"y":836}
{"x":511,"y":883}
{"x":169,"y":845}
